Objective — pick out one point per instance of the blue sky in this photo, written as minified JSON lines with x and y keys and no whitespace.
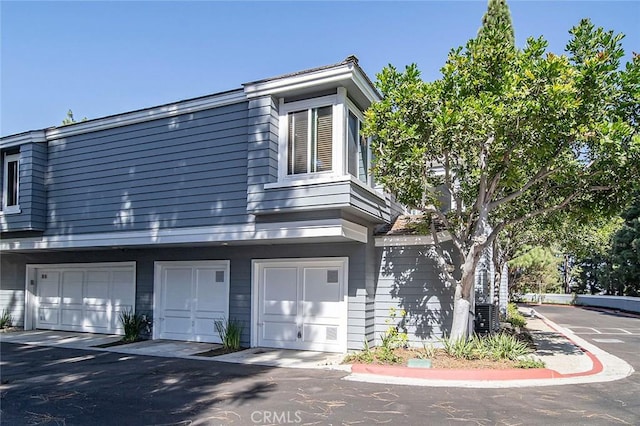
{"x":103,"y":58}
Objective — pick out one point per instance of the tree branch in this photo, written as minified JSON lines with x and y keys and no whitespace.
{"x":545,"y":210}
{"x":542,"y":174}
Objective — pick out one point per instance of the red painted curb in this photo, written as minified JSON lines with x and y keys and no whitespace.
{"x":597,"y":366}
{"x":479,"y":374}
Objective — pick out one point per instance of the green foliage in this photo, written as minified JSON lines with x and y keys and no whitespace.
{"x":535,"y":270}
{"x":230,"y":332}
{"x":498,"y":15}
{"x":514,"y":317}
{"x":396,"y":335}
{"x":6,"y":320}
{"x":505,"y":346}
{"x":511,"y":134}
{"x":365,"y":356}
{"x":495,"y":346}
{"x":133,"y":325}
{"x":70,"y":120}
{"x":625,"y":253}
{"x":428,"y":351}
{"x":530,"y":362}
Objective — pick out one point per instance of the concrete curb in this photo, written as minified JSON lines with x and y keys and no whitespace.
{"x":605,"y":368}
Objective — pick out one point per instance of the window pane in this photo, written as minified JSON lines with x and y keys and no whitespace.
{"x":298,"y":142}
{"x":12,"y":183}
{"x":353,"y":145}
{"x":324,"y":139}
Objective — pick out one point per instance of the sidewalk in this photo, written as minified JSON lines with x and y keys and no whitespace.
{"x":568,"y":359}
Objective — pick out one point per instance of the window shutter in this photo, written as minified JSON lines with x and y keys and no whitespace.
{"x":324,"y":141}
{"x":298,"y":142}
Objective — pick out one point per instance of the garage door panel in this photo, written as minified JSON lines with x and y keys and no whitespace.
{"x":302,"y":304}
{"x":280,"y":331}
{"x":72,"y":317}
{"x":97,"y":294}
{"x":211,"y":295}
{"x":72,"y":288}
{"x":177,"y":290}
{"x":84,"y":297}
{"x":177,"y":324}
{"x":205,"y":329}
{"x":48,"y":316}
{"x":192,"y":296}
{"x":320,"y":333}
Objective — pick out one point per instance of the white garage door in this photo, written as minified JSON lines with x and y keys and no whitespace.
{"x":301,"y":304}
{"x":84,"y":297}
{"x":189,"y":298}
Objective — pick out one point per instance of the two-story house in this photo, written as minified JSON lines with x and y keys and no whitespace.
{"x":256,"y":204}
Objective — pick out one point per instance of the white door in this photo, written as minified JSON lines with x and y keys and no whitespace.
{"x":84,"y":297}
{"x":301,"y":304}
{"x":189,"y":298}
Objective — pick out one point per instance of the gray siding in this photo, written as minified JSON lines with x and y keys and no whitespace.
{"x":184,"y":171}
{"x":409,"y":280}
{"x":343,"y":195}
{"x":12,"y":280}
{"x":32,"y":194}
{"x":13,"y":275}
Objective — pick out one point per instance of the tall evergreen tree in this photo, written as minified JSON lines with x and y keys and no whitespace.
{"x":625,"y":253}
{"x":498,"y":15}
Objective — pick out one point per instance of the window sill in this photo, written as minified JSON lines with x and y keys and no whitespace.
{"x":290,"y":182}
{"x":11,"y":210}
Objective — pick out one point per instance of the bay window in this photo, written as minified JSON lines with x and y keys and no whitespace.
{"x":320,"y":139}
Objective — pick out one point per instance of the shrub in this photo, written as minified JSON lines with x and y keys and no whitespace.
{"x":514,"y":317}
{"x":530,"y":362}
{"x":496,"y":346}
{"x":365,"y":356}
{"x":6,"y":320}
{"x":505,"y":346}
{"x":133,"y":324}
{"x":461,"y":348}
{"x":230,"y":332}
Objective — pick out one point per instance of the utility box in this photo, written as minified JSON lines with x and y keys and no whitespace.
{"x":486,"y":318}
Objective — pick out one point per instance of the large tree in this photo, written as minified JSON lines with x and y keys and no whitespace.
{"x":511,"y":134}
{"x":625,"y":253}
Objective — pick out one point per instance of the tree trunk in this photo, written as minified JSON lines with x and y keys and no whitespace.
{"x":464,"y":293}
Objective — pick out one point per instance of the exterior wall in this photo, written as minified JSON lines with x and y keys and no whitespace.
{"x":32,"y":194}
{"x":14,"y":266}
{"x":623,"y":303}
{"x":12,"y":282}
{"x":408,"y":280}
{"x":185,"y":171}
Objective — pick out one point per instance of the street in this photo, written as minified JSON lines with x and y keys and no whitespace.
{"x":53,"y":386}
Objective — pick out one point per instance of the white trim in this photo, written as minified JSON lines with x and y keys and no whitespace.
{"x":409,"y":240}
{"x":339,"y":229}
{"x":30,"y":291}
{"x":312,"y":229}
{"x":157,"y":284}
{"x":10,"y":158}
{"x":334,"y":75}
{"x":23,"y":138}
{"x":283,"y":137}
{"x":258,"y":264}
{"x":124,"y":119}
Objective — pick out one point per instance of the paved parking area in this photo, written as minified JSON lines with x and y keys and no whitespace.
{"x":576,"y":329}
